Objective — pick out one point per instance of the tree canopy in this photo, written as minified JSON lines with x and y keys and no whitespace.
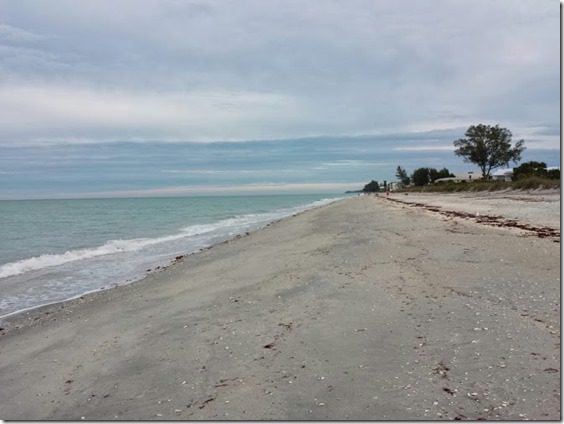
{"x":401,"y":174}
{"x":535,"y":169}
{"x":371,"y":187}
{"x":424,"y":176}
{"x":489,"y":147}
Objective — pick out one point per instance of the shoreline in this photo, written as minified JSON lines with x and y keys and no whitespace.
{"x":7,"y":319}
{"x":360,"y":309}
{"x":34,"y":313}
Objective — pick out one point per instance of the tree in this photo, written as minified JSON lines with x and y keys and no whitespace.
{"x":424,"y":176}
{"x":435,"y":175}
{"x":401,"y":174}
{"x":420,"y":177}
{"x":489,"y":147}
{"x":535,"y":169}
{"x":528,"y":169}
{"x":553,"y":174}
{"x":371,"y":187}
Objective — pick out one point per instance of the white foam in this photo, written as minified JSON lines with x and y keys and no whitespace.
{"x":108,"y":248}
{"x":232,"y":225}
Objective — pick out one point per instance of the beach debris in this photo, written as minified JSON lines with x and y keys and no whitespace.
{"x":491,"y":220}
{"x":286,"y":326}
{"x":449,"y":391}
{"x":441,"y":370}
{"x":179,"y":257}
{"x":205,"y":402}
{"x":551,"y":370}
{"x":269,"y":345}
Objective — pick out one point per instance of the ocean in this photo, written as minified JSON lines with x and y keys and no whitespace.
{"x":52,"y":250}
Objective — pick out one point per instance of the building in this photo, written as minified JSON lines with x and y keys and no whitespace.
{"x":503,"y":175}
{"x":464,"y":176}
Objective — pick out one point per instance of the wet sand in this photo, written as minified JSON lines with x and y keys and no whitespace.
{"x":363,"y":309}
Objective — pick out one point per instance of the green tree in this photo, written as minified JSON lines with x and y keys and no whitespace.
{"x":421,"y":177}
{"x":401,"y":174}
{"x":371,"y":187}
{"x":424,"y":176}
{"x":443,"y":173}
{"x":553,"y":174}
{"x":528,"y":169}
{"x":489,"y":147}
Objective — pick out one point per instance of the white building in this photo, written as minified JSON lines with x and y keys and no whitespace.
{"x":503,"y":175}
{"x":464,"y":176}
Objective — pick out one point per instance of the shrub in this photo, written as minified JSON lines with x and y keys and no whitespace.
{"x":529,"y":183}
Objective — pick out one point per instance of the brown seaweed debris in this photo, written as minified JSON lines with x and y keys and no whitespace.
{"x":491,"y":220}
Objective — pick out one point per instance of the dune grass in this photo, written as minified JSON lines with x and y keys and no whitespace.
{"x":529,"y":183}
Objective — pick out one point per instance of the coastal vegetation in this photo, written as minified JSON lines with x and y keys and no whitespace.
{"x":371,"y":187}
{"x":535,"y":169}
{"x":424,"y":176}
{"x":402,"y":176}
{"x":525,"y":183}
{"x":489,"y":147}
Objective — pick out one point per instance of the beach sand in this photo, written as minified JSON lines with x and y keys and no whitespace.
{"x":363,"y":309}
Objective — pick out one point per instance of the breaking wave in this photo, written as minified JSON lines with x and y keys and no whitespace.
{"x":226,"y":227}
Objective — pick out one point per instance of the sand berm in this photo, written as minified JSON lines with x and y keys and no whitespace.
{"x":362,"y":309}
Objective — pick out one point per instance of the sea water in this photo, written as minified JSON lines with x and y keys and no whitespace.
{"x":52,"y":250}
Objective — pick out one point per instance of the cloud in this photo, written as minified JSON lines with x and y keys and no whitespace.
{"x":254,"y":188}
{"x":424,"y":148}
{"x":92,"y":169}
{"x":236,"y":70}
{"x":106,"y":96}
{"x":13,"y":34}
{"x":45,"y":112}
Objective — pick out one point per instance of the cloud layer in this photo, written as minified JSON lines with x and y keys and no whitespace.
{"x":239,"y":70}
{"x":186,"y":96}
{"x":149,"y":169}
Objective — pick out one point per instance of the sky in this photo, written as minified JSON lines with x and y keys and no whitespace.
{"x":129,"y":97}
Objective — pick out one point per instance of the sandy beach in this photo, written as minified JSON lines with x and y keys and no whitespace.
{"x":365,"y":309}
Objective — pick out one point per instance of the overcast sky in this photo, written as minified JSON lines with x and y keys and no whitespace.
{"x":406,"y":76}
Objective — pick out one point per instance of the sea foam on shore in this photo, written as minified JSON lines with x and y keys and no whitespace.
{"x":52,"y":277}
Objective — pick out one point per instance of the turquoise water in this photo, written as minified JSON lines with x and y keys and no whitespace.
{"x":51,"y":250}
